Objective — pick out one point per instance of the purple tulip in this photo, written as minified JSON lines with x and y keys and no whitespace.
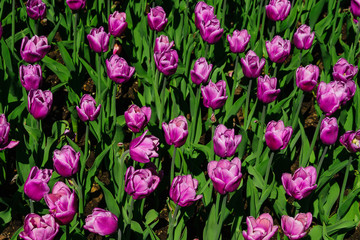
{"x":144,"y":147}
{"x":344,"y":71}
{"x":261,"y":228}
{"x":36,"y":9}
{"x":167,"y":62}
{"x":98,"y":40}
{"x":277,"y":136}
{"x":211,"y":31}
{"x":76,"y":4}
{"x":88,"y":110}
{"x":201,"y":71}
{"x":1,"y":30}
{"x":66,"y":161}
{"x":239,"y":40}
{"x":203,"y":12}
{"x":278,"y":49}
{"x":39,"y":103}
{"x":62,"y":203}
{"x":35,"y":49}
{"x":251,"y":65}
{"x":214,"y":94}
{"x":137,"y":118}
{"x":344,"y":90}
{"x":301,"y":183}
{"x":329,"y":130}
{"x":183,"y":190}
{"x":307,"y":77}
{"x":118,"y":69}
{"x":157,"y":19}
{"x":39,"y":227}
{"x":36,"y":185}
{"x":101,"y":222}
{"x":176,"y":131}
{"x":117,"y":23}
{"x":162,"y":44}
{"x":225,"y":175}
{"x":225,"y":141}
{"x":303,"y":37}
{"x":327,"y":99}
{"x":295,"y":228}
{"x":351,"y":141}
{"x":278,"y":10}
{"x":5,"y":143}
{"x":30,"y":76}
{"x":142,"y":182}
{"x":266,"y":90}
{"x":355,"y":9}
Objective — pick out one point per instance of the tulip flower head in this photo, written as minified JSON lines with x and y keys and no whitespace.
{"x":225,"y":141}
{"x":36,"y":9}
{"x":203,"y":13}
{"x":34,"y":49}
{"x":307,"y":77}
{"x":214,"y":94}
{"x":162,"y":44}
{"x":329,"y":130}
{"x":301,"y":183}
{"x":101,"y":222}
{"x":355,"y":9}
{"x":30,"y":76}
{"x":167,"y":61}
{"x":261,"y":228}
{"x":143,"y":148}
{"x":137,"y":118}
{"x":210,"y":31}
{"x":266,"y":90}
{"x":278,"y":49}
{"x":183,"y":190}
{"x":66,"y":161}
{"x":39,"y":103}
{"x":36,"y":185}
{"x":351,"y":141}
{"x":238,"y":41}
{"x":278,"y":10}
{"x":303,"y":37}
{"x":88,"y":110}
{"x":252,"y":65}
{"x":344,"y":71}
{"x":117,"y":23}
{"x":76,"y":5}
{"x":98,"y":40}
{"x":157,"y":19}
{"x":201,"y":71}
{"x":295,"y":228}
{"x":5,"y":143}
{"x":39,"y":227}
{"x":277,"y":136}
{"x":176,"y":131}
{"x":118,"y":69}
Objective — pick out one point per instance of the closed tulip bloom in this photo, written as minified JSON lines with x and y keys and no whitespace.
{"x":141,"y":183}
{"x":1,"y":30}
{"x":39,"y":227}
{"x":329,"y":130}
{"x":4,"y":134}
{"x":344,"y":71}
{"x":162,"y":44}
{"x":278,"y":49}
{"x":167,"y":62}
{"x":143,"y":148}
{"x":351,"y":141}
{"x":98,"y":40}
{"x":295,"y":228}
{"x":203,"y":12}
{"x":201,"y":71}
{"x":76,"y":4}
{"x":157,"y":19}
{"x":176,"y":131}
{"x":355,"y":8}
{"x":66,"y":161}
{"x":303,"y":37}
{"x":301,"y":183}
{"x":225,"y":175}
{"x":35,"y":49}
{"x":307,"y":77}
{"x":183,"y":190}
{"x":36,"y":185}
{"x":261,"y":228}
{"x":117,"y":23}
{"x":118,"y":69}
{"x":238,"y":41}
{"x":277,"y":136}
{"x":278,"y":10}
{"x":101,"y":222}
{"x":62,"y":203}
{"x":214,"y":94}
{"x":211,"y":31}
{"x":137,"y":118}
{"x":327,"y":98}
{"x":88,"y":110}
{"x":39,"y":103}
{"x":36,"y":9}
{"x":225,"y":141}
{"x":30,"y":76}
{"x":266,"y":90}
{"x":251,"y":65}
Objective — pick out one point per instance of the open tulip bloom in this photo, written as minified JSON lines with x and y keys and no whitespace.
{"x":261,"y":228}
{"x":301,"y":183}
{"x":295,"y":228}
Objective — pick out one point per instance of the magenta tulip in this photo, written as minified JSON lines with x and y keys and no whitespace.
{"x":277,"y":136}
{"x":117,"y":23}
{"x":211,"y":31}
{"x":30,"y":76}
{"x":101,"y":222}
{"x":88,"y":110}
{"x":214,"y":94}
{"x":157,"y":19}
{"x":261,"y":228}
{"x":36,"y":9}
{"x":36,"y":185}
{"x":137,"y":118}
{"x":66,"y":161}
{"x":118,"y":69}
{"x":167,"y":62}
{"x":76,"y":5}
{"x":203,"y":13}
{"x":143,"y":148}
{"x":307,"y":77}
{"x":162,"y":44}
{"x":225,"y":141}
{"x":266,"y":90}
{"x":355,"y":9}
{"x":278,"y":49}
{"x":35,"y":49}
{"x":295,"y":228}
{"x":238,"y":41}
{"x":278,"y":10}
{"x":176,"y":131}
{"x":39,"y":227}
{"x":183,"y":190}
{"x":251,"y":65}
{"x":98,"y":40}
{"x":329,"y":130}
{"x":303,"y":37}
{"x":201,"y":71}
{"x":344,"y":71}
{"x":39,"y":103}
{"x":351,"y":141}
{"x":5,"y":142}
{"x":301,"y":183}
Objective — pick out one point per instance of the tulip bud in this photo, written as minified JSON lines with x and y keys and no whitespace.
{"x":176,"y":131}
{"x":4,"y":134}
{"x":143,"y":148}
{"x":88,"y":110}
{"x":157,"y":19}
{"x":167,"y":62}
{"x":117,"y":23}
{"x":137,"y":118}
{"x":183,"y":190}
{"x":203,"y":12}
{"x":117,"y":48}
{"x":225,"y":175}
{"x":307,"y":77}
{"x":211,"y":31}
{"x":98,"y":40}
{"x":214,"y":94}
{"x":251,"y":65}
{"x":36,"y":185}
{"x":261,"y":228}
{"x":277,"y":136}
{"x":201,"y":71}
{"x":39,"y":227}
{"x":301,"y":183}
{"x":344,"y":71}
{"x":36,"y":9}
{"x":278,"y":49}
{"x":118,"y":69}
{"x":351,"y":141}
{"x":35,"y":49}
{"x":76,"y":5}
{"x":1,"y":30}
{"x":101,"y":222}
{"x":62,"y":203}
{"x":266,"y":90}
{"x":329,"y":131}
{"x":295,"y":228}
{"x":39,"y":103}
{"x":278,"y":10}
{"x":238,"y":41}
{"x":225,"y":141}
{"x":355,"y":9}
{"x":303,"y":37}
{"x":30,"y":76}
{"x":66,"y":161}
{"x":162,"y":44}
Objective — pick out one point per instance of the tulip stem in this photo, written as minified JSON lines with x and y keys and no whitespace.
{"x":131,"y":209}
{"x":318,"y":169}
{"x":13,"y":27}
{"x":268,"y":168}
{"x":172,"y":170}
{"x":75,"y":36}
{"x":295,"y":118}
{"x":67,"y":229}
{"x":247,"y":102}
{"x":119,"y":234}
{"x":172,"y":223}
{"x":86,"y":150}
{"x":304,"y":163}
{"x":223,"y":14}
{"x":262,"y":122}
{"x":108,"y":7}
{"x":345,"y":181}
{"x":31,"y":204}
{"x":206,"y":50}
{"x":78,"y":189}
{"x":122,"y":170}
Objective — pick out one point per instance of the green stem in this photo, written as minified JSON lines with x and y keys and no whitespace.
{"x":172,"y":223}
{"x":268,"y":167}
{"x":304,"y":163}
{"x":36,"y":27}
{"x":13,"y":26}
{"x":75,"y":36}
{"x":345,"y":180}
{"x":98,"y":95}
{"x":31,"y":204}
{"x":206,"y":50}
{"x":79,"y":192}
{"x":318,"y":169}
{"x":195,"y":118}
{"x":122,"y":171}
{"x":224,"y":15}
{"x":247,"y":102}
{"x":86,"y":150}
{"x":119,"y":234}
{"x":108,"y":8}
{"x":294,"y":120}
{"x":258,"y":18}
{"x":236,"y":67}
{"x":67,"y":229}
{"x":263,"y":20}
{"x":131,"y":210}
{"x":114,"y":104}
{"x":172,"y":170}
{"x":262,"y":122}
